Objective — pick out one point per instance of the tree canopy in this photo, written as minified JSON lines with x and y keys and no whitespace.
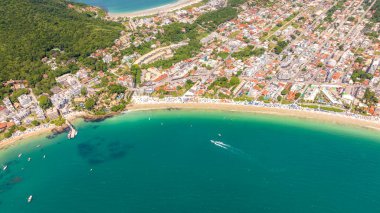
{"x":116,"y":88}
{"x":89,"y":103}
{"x":33,"y":29}
{"x":44,"y":102}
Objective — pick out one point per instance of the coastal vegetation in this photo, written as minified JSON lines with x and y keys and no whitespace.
{"x":136,"y":73}
{"x":376,"y":11}
{"x":33,"y":29}
{"x":325,"y":108}
{"x":370,"y":97}
{"x":36,"y":123}
{"x":248,"y":52}
{"x":90,"y":103}
{"x":177,"y":32}
{"x":118,"y":107}
{"x":116,"y":88}
{"x":18,"y":93}
{"x":223,"y":82}
{"x":10,"y":131}
{"x":59,"y":121}
{"x":213,"y":19}
{"x":179,"y":92}
{"x":44,"y":102}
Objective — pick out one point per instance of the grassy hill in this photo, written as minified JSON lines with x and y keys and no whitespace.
{"x":30,"y":29}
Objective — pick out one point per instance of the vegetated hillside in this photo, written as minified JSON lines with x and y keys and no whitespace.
{"x":30,"y":29}
{"x":376,"y":11}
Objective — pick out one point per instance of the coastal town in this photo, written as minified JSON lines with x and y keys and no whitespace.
{"x":307,"y":55}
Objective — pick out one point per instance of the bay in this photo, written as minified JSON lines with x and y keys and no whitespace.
{"x":195,"y":161}
{"x":124,"y":6}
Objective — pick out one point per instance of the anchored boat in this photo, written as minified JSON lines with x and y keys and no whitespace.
{"x":30,"y":198}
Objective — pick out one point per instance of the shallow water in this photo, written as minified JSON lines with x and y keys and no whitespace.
{"x":165,"y":161}
{"x":123,"y":6}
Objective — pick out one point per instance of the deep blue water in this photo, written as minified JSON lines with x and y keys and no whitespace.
{"x":164,"y":161}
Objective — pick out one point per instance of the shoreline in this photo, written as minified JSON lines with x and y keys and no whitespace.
{"x":6,"y":143}
{"x":226,"y":107}
{"x":40,"y":130}
{"x":156,"y":10}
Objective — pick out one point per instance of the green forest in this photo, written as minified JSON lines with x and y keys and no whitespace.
{"x":376,"y":9}
{"x":31,"y":29}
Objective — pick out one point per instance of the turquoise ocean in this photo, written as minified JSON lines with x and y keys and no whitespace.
{"x":164,"y":161}
{"x":123,"y":6}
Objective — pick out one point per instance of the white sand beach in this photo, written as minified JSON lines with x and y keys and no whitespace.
{"x":162,"y":9}
{"x":310,"y":115}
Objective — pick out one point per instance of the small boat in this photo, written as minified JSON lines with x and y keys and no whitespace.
{"x":19,"y":155}
{"x":29,"y":159}
{"x":220,"y":144}
{"x":30,"y":198}
{"x":220,"y":135}
{"x":69,"y":136}
{"x":5,"y":167}
{"x":44,"y":156}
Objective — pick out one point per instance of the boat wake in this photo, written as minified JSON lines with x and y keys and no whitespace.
{"x":230,"y":148}
{"x":243,"y":155}
{"x":220,"y":144}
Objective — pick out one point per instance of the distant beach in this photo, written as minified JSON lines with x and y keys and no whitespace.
{"x":161,"y":9}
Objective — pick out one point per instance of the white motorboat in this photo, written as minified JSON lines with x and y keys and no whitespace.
{"x":30,"y":198}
